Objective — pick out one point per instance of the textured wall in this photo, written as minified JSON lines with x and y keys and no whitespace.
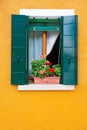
{"x":50,"y":110}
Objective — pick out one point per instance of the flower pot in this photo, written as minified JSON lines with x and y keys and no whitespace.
{"x":47,"y":80}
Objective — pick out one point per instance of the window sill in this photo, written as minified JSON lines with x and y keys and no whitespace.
{"x":46,"y":87}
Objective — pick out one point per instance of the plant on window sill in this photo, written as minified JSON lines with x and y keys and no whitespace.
{"x":44,"y":72}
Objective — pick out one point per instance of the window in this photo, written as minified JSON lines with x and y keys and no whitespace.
{"x":66,"y":27}
{"x":44,"y":40}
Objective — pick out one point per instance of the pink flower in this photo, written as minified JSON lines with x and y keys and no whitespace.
{"x":41,"y":56}
{"x":41,"y":72}
{"x":47,"y":62}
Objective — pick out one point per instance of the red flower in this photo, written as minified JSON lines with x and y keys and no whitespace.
{"x":51,"y":70}
{"x":48,"y":63}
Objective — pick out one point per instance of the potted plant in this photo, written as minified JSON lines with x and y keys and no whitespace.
{"x":44,"y":72}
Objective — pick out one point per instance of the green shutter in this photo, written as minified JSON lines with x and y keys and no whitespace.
{"x":19,"y":55}
{"x":69,"y":50}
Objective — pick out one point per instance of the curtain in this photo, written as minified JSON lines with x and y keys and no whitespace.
{"x":35,"y":47}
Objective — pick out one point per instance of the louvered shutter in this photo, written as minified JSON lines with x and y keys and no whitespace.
{"x":69,"y":50}
{"x":19,"y":53}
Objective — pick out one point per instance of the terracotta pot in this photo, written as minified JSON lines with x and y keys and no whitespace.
{"x":47,"y":80}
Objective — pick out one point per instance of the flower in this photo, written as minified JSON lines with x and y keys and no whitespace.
{"x":41,"y":71}
{"x":44,"y":68}
{"x":48,"y":63}
{"x":52,"y":70}
{"x":41,"y":56}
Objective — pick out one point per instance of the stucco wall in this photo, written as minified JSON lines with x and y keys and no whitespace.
{"x":50,"y":110}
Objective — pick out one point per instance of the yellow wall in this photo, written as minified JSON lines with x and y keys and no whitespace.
{"x":42,"y":110}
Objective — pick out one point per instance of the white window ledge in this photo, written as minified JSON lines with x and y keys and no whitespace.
{"x":46,"y":13}
{"x":46,"y":87}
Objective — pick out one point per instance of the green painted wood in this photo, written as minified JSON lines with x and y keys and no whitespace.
{"x":76,"y":51}
{"x":44,"y":20}
{"x":44,"y":24}
{"x":43,"y":28}
{"x":19,"y":58}
{"x":69,"y":50}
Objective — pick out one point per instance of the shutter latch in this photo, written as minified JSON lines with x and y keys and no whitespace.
{"x":18,"y":59}
{"x":68,"y":60}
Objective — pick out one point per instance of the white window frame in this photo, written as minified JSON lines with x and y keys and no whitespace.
{"x":46,"y":13}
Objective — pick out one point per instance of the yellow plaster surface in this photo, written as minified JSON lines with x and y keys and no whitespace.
{"x":42,"y":110}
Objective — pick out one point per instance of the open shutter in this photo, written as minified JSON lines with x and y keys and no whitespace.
{"x":69,"y":50}
{"x":19,"y":56}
